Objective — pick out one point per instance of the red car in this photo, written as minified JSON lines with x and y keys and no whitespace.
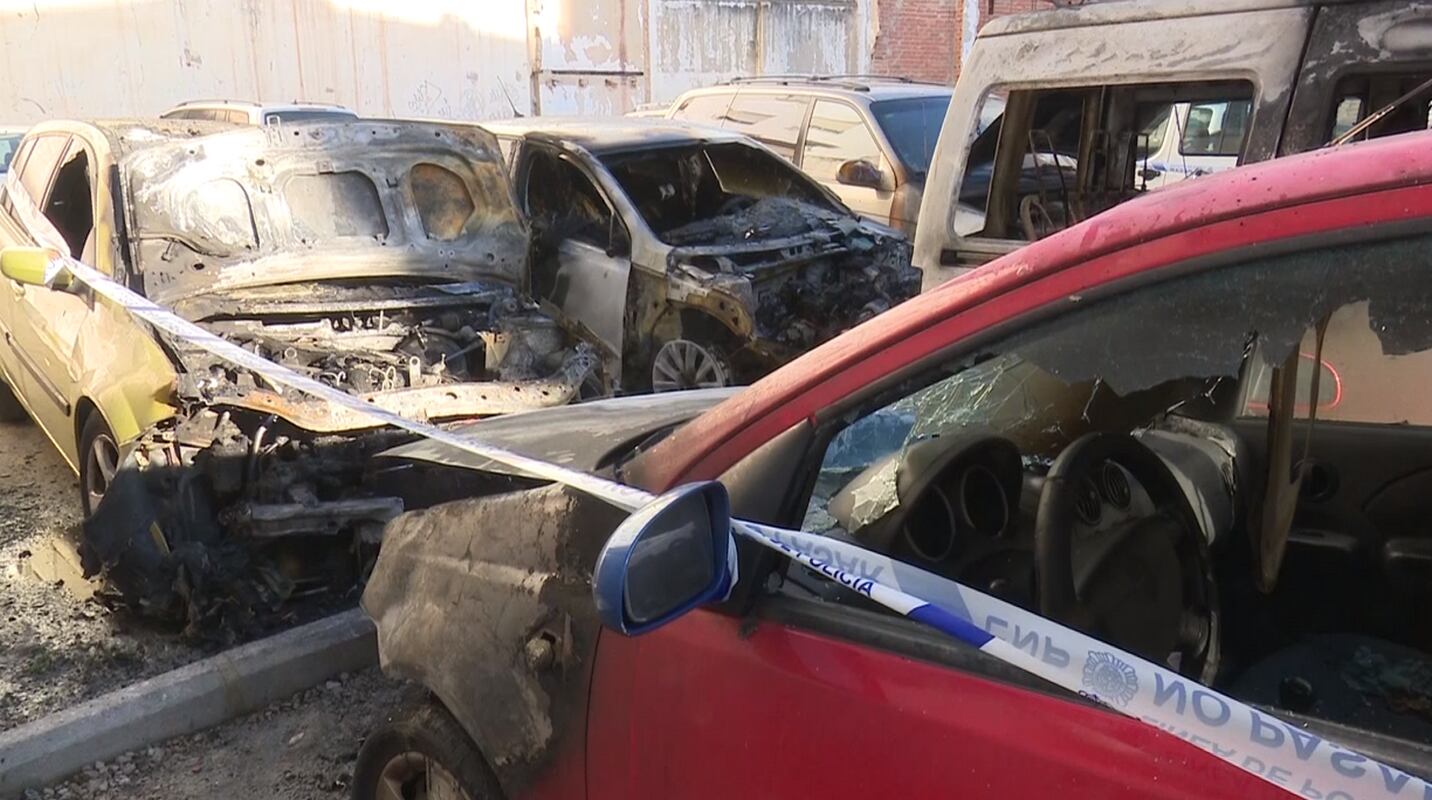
{"x":1127,"y":427}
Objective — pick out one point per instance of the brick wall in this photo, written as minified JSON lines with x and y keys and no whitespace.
{"x":920,"y":39}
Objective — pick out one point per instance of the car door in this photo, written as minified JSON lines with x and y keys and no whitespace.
{"x":842,"y":152}
{"x":582,"y":258}
{"x":27,"y":328}
{"x":812,"y":692}
{"x":51,"y":319}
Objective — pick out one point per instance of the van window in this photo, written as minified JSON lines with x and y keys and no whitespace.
{"x":837,"y":134}
{"x":774,"y":120}
{"x":1055,"y":157}
{"x":1216,"y":129}
{"x":1358,"y":96}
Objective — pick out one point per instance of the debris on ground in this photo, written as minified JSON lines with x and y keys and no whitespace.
{"x":301,"y":747}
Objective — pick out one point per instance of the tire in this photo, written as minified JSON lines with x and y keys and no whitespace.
{"x":10,"y":408}
{"x":424,"y":742}
{"x":96,"y":471}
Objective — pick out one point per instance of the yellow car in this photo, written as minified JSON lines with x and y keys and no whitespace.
{"x":383,"y":258}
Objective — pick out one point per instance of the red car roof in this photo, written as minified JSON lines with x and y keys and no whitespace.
{"x":1381,"y":164}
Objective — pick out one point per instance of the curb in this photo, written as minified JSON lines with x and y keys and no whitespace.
{"x":185,"y":700}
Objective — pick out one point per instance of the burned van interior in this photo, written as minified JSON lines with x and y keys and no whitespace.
{"x":1230,"y":474}
{"x":1055,"y":157}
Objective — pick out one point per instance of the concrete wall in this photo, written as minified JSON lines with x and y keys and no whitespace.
{"x":458,"y":59}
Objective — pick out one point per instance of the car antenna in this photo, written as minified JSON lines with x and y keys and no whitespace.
{"x":1379,"y":114}
{"x":511,"y":104}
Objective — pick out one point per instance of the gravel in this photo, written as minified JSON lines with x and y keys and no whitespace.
{"x":303,"y":747}
{"x":59,"y":650}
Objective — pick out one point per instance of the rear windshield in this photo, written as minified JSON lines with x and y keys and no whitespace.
{"x":913,"y":127}
{"x":309,"y":115}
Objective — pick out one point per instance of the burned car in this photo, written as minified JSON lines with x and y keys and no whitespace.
{"x":386,"y":259}
{"x":1204,"y":442}
{"x":697,"y":256}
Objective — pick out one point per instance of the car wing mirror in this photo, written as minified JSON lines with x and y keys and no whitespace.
{"x":35,"y":266}
{"x":860,"y":172}
{"x":669,"y":557}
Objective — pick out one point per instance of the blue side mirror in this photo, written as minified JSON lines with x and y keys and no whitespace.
{"x":666,"y":559}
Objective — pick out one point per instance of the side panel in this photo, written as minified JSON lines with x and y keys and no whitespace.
{"x":487,"y":602}
{"x":711,"y":707}
{"x":1264,"y":47}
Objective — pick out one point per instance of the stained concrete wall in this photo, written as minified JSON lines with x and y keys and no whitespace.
{"x":457,"y":59}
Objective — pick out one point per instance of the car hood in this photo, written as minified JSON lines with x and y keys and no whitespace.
{"x":580,"y":437}
{"x":357,"y":200}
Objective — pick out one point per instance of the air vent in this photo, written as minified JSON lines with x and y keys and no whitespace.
{"x":1086,"y":502}
{"x":1114,"y":485}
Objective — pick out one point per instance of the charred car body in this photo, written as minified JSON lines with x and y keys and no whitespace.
{"x":385,"y":259}
{"x":698,"y":257}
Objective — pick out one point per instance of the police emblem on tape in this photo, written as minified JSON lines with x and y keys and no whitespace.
{"x":1110,"y":679}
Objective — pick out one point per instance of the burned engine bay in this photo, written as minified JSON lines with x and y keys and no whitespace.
{"x":385,"y":260}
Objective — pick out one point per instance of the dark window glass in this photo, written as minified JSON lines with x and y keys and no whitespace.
{"x":563,"y":201}
{"x":310,"y":115}
{"x":1215,"y":129}
{"x":913,"y":127}
{"x":70,"y":206}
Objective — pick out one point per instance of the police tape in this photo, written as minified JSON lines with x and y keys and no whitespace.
{"x":1282,"y":754}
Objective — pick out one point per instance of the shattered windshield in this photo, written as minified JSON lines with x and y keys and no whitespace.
{"x":913,"y":127}
{"x":1129,"y":363}
{"x":698,"y":194}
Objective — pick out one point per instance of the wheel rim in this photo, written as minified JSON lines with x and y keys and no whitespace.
{"x":414,"y":776}
{"x":101,"y":462}
{"x":684,"y":364}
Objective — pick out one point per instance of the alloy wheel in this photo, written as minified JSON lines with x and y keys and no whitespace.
{"x":101,"y":462}
{"x":684,"y":364}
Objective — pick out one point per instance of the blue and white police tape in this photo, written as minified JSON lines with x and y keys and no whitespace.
{"x":1281,"y":754}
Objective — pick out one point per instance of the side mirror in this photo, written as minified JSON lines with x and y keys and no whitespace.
{"x":859,"y":172}
{"x":666,"y":559}
{"x":34,"y":266}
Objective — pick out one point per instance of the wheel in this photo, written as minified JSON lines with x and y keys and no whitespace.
{"x":10,"y":408}
{"x":99,"y":459}
{"x":423,"y":755}
{"x":684,"y":364}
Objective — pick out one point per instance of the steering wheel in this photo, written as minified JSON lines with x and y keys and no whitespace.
{"x":1146,"y":585}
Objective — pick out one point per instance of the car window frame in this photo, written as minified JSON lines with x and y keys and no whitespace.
{"x":46,"y":186}
{"x":887,"y":162}
{"x":798,"y":146}
{"x":77,"y":145}
{"x":528,"y":150}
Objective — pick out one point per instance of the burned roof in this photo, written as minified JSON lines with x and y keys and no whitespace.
{"x":617,"y":134}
